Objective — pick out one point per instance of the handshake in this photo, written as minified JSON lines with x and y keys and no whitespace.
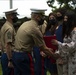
{"x":50,"y":52}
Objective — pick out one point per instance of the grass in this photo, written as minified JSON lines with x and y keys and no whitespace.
{"x":48,"y":73}
{"x":0,"y":69}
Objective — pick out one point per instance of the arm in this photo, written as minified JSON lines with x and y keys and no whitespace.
{"x":38,"y":40}
{"x":46,"y":50}
{"x":67,"y":47}
{"x":8,"y":50}
{"x":8,"y":46}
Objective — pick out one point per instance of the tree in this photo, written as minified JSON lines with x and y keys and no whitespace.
{"x":50,"y":3}
{"x":68,"y":4}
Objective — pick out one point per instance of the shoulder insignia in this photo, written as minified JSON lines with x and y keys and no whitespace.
{"x":9,"y":35}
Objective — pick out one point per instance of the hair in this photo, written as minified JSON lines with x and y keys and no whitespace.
{"x":71,"y":23}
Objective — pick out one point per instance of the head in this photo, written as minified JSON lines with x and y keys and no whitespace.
{"x":52,"y":19}
{"x":38,"y":15}
{"x":11,"y":15}
{"x":69,"y":22}
{"x":51,"y":22}
{"x":60,"y":14}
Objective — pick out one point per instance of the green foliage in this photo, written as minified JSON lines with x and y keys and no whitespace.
{"x":68,"y":4}
{"x":50,"y":3}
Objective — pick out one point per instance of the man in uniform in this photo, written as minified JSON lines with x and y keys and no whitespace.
{"x":7,"y":41}
{"x":28,"y":36}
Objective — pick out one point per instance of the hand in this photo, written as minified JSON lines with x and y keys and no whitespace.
{"x":51,"y":51}
{"x":54,"y":42}
{"x":56,"y":56}
{"x":43,"y":54}
{"x":60,"y":61}
{"x":10,"y":65}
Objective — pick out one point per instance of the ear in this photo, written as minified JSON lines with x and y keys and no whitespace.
{"x":38,"y":17}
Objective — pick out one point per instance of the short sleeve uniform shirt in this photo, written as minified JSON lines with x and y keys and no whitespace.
{"x":28,"y":35}
{"x":7,"y":34}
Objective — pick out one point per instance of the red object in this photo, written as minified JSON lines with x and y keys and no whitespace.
{"x":31,"y":64}
{"x":48,"y":43}
{"x":12,"y":71}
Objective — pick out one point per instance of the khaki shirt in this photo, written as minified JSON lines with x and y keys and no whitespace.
{"x":28,"y":35}
{"x":7,"y":34}
{"x":0,"y":35}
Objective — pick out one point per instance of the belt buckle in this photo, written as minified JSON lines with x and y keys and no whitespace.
{"x":16,"y":50}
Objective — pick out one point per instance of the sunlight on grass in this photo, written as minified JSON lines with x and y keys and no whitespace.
{"x":48,"y":73}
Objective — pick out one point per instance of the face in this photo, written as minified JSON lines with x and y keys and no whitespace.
{"x":14,"y":18}
{"x":65,"y":18}
{"x":65,"y":22}
{"x":40,"y":19}
{"x":51,"y":17}
{"x":59,"y":14}
{"x":52,"y":20}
